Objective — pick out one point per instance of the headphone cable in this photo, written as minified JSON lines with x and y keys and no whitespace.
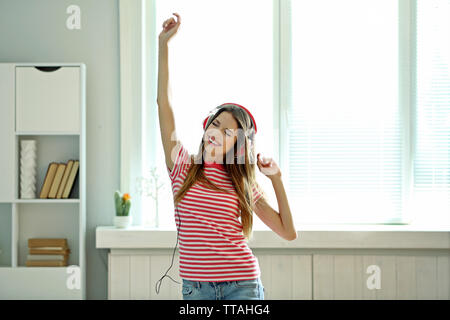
{"x":159,"y":282}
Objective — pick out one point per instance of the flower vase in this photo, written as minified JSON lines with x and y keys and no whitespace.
{"x":122,"y":221}
{"x":28,"y":169}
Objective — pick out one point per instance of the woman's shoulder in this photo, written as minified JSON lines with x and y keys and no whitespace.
{"x":181,"y":161}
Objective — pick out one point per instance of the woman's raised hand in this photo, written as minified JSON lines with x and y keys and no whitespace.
{"x":268,"y":167}
{"x":170,"y":27}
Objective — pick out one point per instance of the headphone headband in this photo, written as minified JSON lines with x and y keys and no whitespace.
{"x":242,"y":107}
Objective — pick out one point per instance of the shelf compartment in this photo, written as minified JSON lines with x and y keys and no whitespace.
{"x":60,"y":148}
{"x":29,"y":283}
{"x":48,"y":220}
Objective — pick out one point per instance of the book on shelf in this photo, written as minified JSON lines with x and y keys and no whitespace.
{"x":51,"y":171}
{"x":47,"y":242}
{"x":47,"y":263}
{"x":56,"y":180}
{"x":49,"y":250}
{"x":64,"y":179}
{"x":59,"y":180}
{"x":71,"y":179}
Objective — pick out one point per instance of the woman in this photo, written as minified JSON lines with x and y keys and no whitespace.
{"x":215,"y":193}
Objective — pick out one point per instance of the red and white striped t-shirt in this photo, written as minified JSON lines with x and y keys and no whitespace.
{"x":212,"y":244}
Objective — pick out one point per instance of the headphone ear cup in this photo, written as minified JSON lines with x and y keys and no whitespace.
{"x":204,"y":123}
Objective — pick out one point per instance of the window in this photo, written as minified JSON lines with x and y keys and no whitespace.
{"x":432,"y":122}
{"x":351,"y":97}
{"x":345,"y":139}
{"x":221,"y":53}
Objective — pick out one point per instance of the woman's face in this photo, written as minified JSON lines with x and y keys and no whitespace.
{"x":220,"y":136}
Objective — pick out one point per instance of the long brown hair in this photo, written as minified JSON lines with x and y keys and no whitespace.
{"x":242,"y":172}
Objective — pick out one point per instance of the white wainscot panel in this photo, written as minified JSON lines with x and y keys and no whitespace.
{"x":402,"y":276}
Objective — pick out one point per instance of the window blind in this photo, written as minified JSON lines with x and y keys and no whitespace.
{"x":344,"y":126}
{"x":432,"y":121}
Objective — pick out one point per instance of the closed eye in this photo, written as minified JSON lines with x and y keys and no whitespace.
{"x":227,"y":132}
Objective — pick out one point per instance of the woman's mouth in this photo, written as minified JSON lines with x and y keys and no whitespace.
{"x":210,"y":141}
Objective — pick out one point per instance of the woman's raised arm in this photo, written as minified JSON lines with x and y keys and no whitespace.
{"x":165,"y":112}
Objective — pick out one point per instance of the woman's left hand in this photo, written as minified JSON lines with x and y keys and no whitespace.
{"x":268,"y":167}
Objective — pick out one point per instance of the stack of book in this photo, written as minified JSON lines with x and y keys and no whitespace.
{"x":48,"y":252}
{"x":59,"y":180}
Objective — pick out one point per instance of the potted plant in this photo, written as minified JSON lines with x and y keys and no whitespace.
{"x":122,"y":203}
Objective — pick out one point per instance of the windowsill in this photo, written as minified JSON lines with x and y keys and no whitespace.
{"x":310,"y":236}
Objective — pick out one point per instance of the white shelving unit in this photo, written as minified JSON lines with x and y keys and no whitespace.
{"x":45,"y":102}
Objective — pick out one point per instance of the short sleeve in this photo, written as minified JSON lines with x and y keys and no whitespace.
{"x":257,"y":194}
{"x":180,"y":163}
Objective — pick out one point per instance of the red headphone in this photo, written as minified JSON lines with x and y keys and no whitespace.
{"x":240,"y":153}
{"x":218,"y":108}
